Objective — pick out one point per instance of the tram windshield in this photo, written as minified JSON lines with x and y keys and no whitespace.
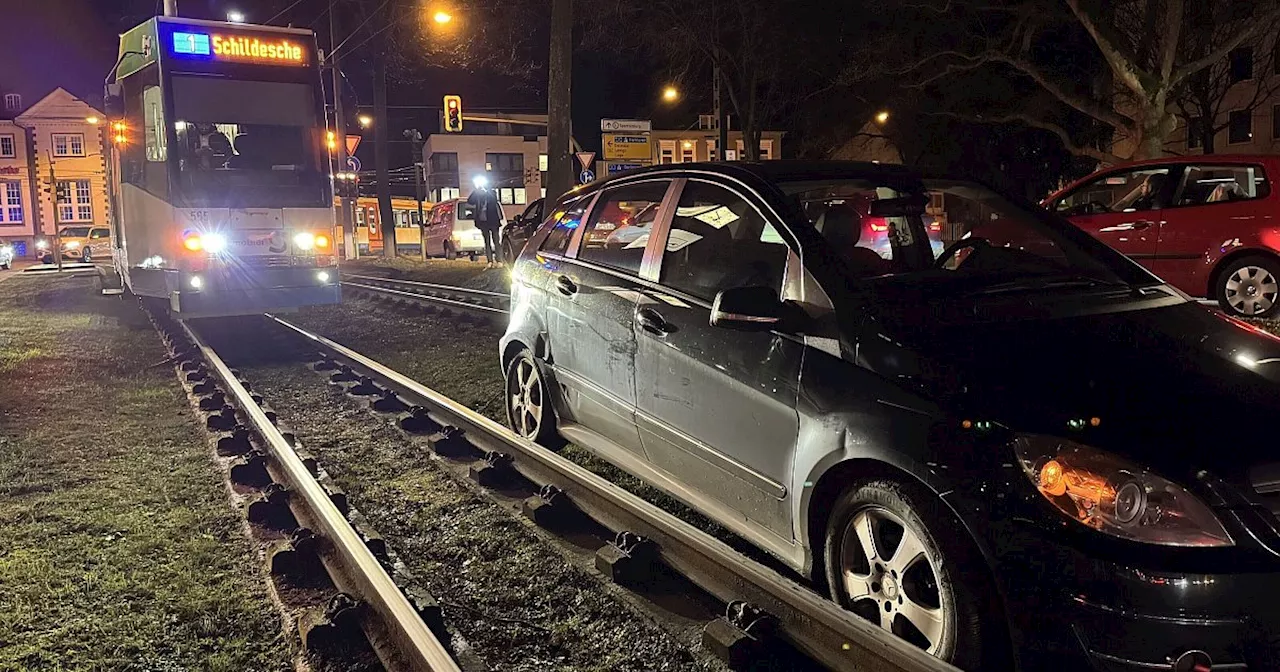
{"x":235,"y":134}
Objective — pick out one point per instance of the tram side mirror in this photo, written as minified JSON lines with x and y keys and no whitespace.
{"x":113,"y":101}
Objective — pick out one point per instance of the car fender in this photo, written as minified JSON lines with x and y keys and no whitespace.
{"x":1264,"y":242}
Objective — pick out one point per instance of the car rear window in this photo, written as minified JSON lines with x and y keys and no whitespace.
{"x":1212,"y":184}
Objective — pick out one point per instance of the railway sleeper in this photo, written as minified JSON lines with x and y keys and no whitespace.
{"x":297,"y":560}
{"x":744,"y":634}
{"x":236,"y":443}
{"x":628,"y":560}
{"x":251,"y":471}
{"x":550,"y":508}
{"x":452,"y":442}
{"x":335,"y":632}
{"x":272,"y":510}
{"x":418,"y":421}
{"x":496,"y":471}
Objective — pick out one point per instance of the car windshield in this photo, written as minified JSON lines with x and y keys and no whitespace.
{"x":75,"y":232}
{"x":952,"y":230}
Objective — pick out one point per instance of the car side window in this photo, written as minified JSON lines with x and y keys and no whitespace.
{"x":561,"y":235}
{"x":719,"y":241}
{"x":620,"y":224}
{"x":1133,"y":190}
{"x":97,"y":234}
{"x":1213,"y":184}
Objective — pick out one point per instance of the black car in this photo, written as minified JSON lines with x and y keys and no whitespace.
{"x":1024,"y":452}
{"x":516,"y":232}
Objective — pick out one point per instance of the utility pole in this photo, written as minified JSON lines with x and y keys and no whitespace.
{"x":345,"y":217}
{"x":57,"y":228}
{"x":560,"y":101}
{"x":381,"y":150}
{"x":170,"y":7}
{"x":722,"y":119}
{"x":414,"y":136}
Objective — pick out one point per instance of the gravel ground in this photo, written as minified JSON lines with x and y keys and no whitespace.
{"x":513,"y":597}
{"x":119,"y":549}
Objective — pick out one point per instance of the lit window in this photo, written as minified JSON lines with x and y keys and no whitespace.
{"x":667,"y":151}
{"x":766,"y":150}
{"x":75,"y":201}
{"x":8,"y":149}
{"x":12,"y":102}
{"x":711,"y":151}
{"x":542,"y":163}
{"x":687,"y":152}
{"x":11,"y":202}
{"x":68,"y":144}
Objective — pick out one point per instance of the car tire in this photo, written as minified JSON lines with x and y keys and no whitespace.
{"x":530,"y":411}
{"x":922,"y":598}
{"x":46,"y":259}
{"x":449,"y":252}
{"x":508,"y":254}
{"x":1249,"y":287}
{"x":86,"y":255}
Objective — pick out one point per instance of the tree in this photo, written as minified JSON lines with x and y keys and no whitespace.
{"x":1240,"y":82}
{"x":753,"y":46}
{"x":1117,"y":65}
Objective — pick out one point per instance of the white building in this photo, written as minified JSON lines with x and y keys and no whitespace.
{"x":510,"y":149}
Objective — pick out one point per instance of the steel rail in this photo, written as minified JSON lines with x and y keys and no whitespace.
{"x":484,"y":293}
{"x":812,"y":623}
{"x":414,"y":641}
{"x":427,"y":298}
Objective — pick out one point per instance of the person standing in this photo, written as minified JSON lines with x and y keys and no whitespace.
{"x":488,"y":217}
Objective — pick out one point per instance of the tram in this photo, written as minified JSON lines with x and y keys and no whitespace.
{"x":221,"y":183}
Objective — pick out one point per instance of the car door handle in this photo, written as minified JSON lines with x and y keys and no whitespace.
{"x":651,"y":321}
{"x":1142,"y":224}
{"x":566,"y":286}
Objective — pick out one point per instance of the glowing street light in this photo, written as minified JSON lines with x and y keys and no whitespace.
{"x":442,"y":17}
{"x":235,"y":17}
{"x":365,"y":120}
{"x":670,"y":94}
{"x":882,"y":117}
{"x":92,"y":121}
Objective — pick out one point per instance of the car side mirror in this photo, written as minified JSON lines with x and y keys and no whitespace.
{"x":753,"y":309}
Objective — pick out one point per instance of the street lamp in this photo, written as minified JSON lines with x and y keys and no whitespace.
{"x":365,"y":120}
{"x":442,"y":17}
{"x":670,"y":94}
{"x":235,"y":16}
{"x":92,"y":121}
{"x":882,"y":117}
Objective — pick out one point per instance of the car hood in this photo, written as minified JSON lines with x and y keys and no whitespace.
{"x":1178,"y":387}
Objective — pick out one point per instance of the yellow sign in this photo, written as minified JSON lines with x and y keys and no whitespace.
{"x":253,"y":49}
{"x":621,"y":146}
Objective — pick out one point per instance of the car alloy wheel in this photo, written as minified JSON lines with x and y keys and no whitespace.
{"x":1251,"y":290}
{"x":530,"y":411}
{"x":891,"y":579}
{"x":86,"y":256}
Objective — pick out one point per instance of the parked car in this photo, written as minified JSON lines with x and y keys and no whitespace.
{"x":1209,"y":225}
{"x":79,"y":243}
{"x":451,"y":230}
{"x":6,"y":255}
{"x":981,"y":451}
{"x":516,"y":232}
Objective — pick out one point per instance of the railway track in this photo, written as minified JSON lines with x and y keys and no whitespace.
{"x":479,"y":302}
{"x":394,"y":625}
{"x":762,"y":606}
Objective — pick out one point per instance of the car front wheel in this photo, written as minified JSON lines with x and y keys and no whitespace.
{"x":894,"y":558}
{"x":528,"y":402}
{"x":1249,"y":287}
{"x":86,"y":256}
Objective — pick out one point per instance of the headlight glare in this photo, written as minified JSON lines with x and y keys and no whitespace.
{"x":213,"y":242}
{"x":305,"y":240}
{"x":1115,"y":496}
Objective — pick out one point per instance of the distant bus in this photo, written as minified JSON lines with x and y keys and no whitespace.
{"x":221,"y":183}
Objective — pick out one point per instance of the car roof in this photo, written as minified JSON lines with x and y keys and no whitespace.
{"x":771,"y":171}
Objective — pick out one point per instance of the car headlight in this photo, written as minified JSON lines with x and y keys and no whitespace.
{"x":304,"y":241}
{"x":42,"y":245}
{"x":75,"y":244}
{"x":1115,"y":496}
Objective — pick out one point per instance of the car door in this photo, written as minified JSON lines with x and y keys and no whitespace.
{"x":717,"y":408}
{"x":1122,"y":209}
{"x":1215,"y":207}
{"x":99,"y":241}
{"x":593,"y":344}
{"x":435,"y":232}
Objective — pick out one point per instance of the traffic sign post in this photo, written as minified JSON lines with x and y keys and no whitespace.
{"x":585,"y":158}
{"x":586,"y":177}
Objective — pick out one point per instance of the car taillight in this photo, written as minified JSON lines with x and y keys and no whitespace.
{"x":880,"y":227}
{"x":935,"y":226}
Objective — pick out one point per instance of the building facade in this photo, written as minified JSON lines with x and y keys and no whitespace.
{"x":510,"y":150}
{"x":52,"y":168}
{"x":628,"y":150}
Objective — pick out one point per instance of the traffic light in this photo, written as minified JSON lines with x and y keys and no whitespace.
{"x":453,"y":114}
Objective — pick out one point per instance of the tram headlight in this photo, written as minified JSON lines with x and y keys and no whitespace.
{"x":304,"y":241}
{"x":196,"y":282}
{"x":214,"y":242}
{"x":323,"y":277}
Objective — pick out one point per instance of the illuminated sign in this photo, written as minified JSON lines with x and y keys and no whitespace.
{"x":240,"y":48}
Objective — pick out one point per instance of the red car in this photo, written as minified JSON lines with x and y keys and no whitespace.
{"x":1208,"y":225}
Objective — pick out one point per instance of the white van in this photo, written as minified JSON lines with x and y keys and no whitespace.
{"x":451,"y":231}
